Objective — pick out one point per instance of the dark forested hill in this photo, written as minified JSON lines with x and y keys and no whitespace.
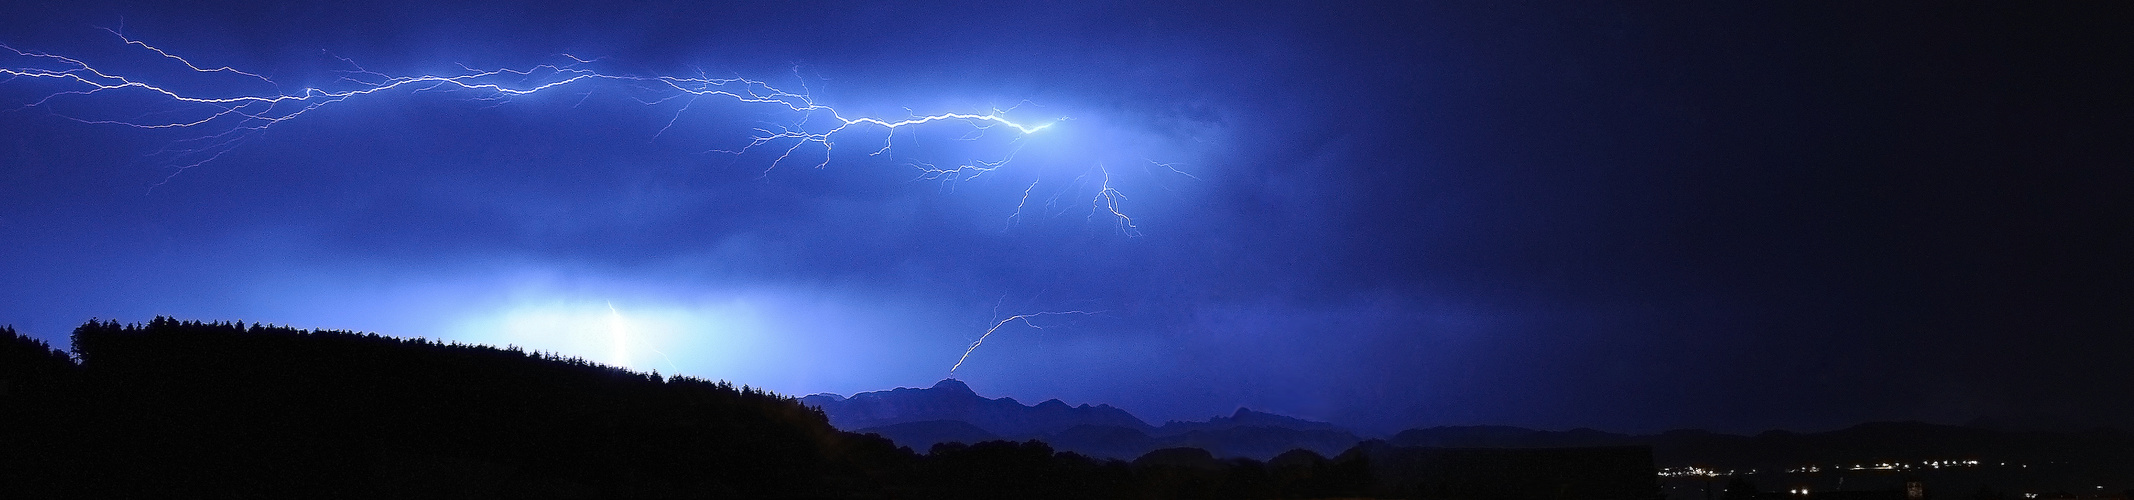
{"x":200,"y":409}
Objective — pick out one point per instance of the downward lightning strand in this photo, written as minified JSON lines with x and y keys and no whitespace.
{"x":1025,"y":318}
{"x":1174,"y":169}
{"x":1019,"y":204}
{"x":1108,"y":199}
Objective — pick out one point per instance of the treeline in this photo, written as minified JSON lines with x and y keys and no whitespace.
{"x":189,"y":409}
{"x":208,"y":409}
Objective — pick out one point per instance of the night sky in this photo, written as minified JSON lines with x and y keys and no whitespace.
{"x":1383,"y":215}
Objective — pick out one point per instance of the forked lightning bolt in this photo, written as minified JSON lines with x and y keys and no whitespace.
{"x":1025,"y":318}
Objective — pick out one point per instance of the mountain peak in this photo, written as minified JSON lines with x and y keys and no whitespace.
{"x":953,"y":385}
{"x":951,"y":399}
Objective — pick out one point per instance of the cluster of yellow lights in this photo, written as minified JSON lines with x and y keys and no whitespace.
{"x":1694,"y":471}
{"x":1930,"y":464}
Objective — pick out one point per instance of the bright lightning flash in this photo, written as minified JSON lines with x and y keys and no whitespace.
{"x":618,"y":338}
{"x":619,"y":341}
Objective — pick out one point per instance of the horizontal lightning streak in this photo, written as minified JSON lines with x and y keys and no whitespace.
{"x":258,"y":112}
{"x":231,"y":119}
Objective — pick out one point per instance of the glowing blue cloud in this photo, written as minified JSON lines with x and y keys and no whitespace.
{"x":210,"y":111}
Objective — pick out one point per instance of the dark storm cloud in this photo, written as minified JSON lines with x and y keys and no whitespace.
{"x":1396,"y":214}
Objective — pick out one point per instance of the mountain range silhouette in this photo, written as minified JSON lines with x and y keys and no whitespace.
{"x":950,"y":411}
